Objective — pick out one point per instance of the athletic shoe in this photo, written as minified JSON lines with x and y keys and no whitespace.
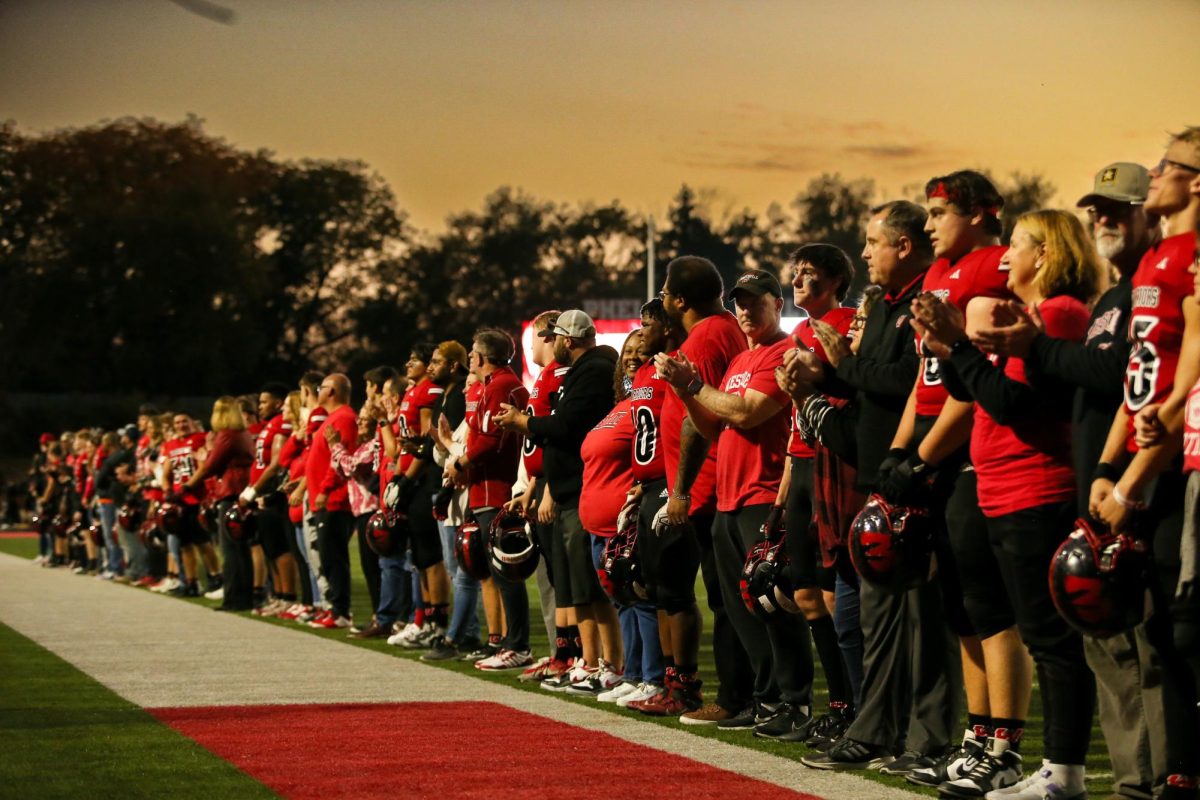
{"x":543,"y":668}
{"x":504,"y":660}
{"x":681,"y":695}
{"x":330,"y":622}
{"x":410,"y":630}
{"x":165,"y":585}
{"x":423,"y":637}
{"x":753,"y":715}
{"x":215,"y":594}
{"x":711,"y":714}
{"x":310,"y":613}
{"x":602,"y":679}
{"x":318,"y":621}
{"x":790,"y":718}
{"x":146,"y":581}
{"x":847,"y":754}
{"x":907,"y":762}
{"x":292,"y":612}
{"x":442,"y":650}
{"x":642,"y":692}
{"x":997,"y":768}
{"x":272,"y":609}
{"x":372,"y":631}
{"x":826,"y":729}
{"x":559,"y":683}
{"x":954,"y":764}
{"x":1051,"y":782}
{"x":622,"y":689}
{"x":39,"y":560}
{"x":485,"y":650}
{"x":106,"y":575}
{"x":79,"y":570}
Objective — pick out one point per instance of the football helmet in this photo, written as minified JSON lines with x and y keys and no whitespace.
{"x":130,"y":515}
{"x":169,"y":517}
{"x":1098,"y":580}
{"x":891,"y":546}
{"x":386,"y":532}
{"x":620,"y":571}
{"x":512,"y":551}
{"x":241,"y":522}
{"x":765,"y":587}
{"x":471,"y":550}
{"x":96,"y":534}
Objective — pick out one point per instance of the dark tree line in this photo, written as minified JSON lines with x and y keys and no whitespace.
{"x":151,"y":257}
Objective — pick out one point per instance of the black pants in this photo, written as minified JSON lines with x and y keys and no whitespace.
{"x":237,"y":568}
{"x":780,"y":651}
{"x":512,"y":595}
{"x":735,"y":676}
{"x":334,"y":529}
{"x":1024,"y":542}
{"x":368,"y":559}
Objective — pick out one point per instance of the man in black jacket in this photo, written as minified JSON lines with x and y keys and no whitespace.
{"x":584,"y":399}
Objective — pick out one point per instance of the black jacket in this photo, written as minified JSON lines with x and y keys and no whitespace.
{"x":585,"y":397}
{"x":107,"y":485}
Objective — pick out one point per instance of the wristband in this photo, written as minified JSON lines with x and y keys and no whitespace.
{"x":694,"y":386}
{"x":1125,"y":502}
{"x":959,"y":345}
{"x":1107,"y":472}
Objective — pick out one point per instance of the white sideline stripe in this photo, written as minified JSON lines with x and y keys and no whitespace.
{"x":155,"y":652}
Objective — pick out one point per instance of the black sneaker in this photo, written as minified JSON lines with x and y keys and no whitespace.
{"x":481,"y":652}
{"x":846,"y":753}
{"x":955,"y":763}
{"x":829,"y":727}
{"x":906,"y":763}
{"x":789,"y":720}
{"x":993,"y":771}
{"x":442,"y":650}
{"x":754,"y":714}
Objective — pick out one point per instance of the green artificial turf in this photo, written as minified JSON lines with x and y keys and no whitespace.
{"x":62,"y":734}
{"x":1099,"y":769}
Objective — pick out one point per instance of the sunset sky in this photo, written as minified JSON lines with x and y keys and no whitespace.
{"x":595,"y":101}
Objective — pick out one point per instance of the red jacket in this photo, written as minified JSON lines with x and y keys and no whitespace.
{"x":321,"y":475}
{"x":229,"y":462}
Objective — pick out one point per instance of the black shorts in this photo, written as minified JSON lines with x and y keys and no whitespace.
{"x":425,"y":541}
{"x":273,"y":527}
{"x":670,"y":561}
{"x":191,"y":532}
{"x":584,"y":586}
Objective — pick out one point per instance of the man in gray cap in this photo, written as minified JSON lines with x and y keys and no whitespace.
{"x":1126,"y":676}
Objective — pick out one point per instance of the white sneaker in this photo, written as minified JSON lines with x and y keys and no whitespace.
{"x":166,"y":585}
{"x":398,"y":639}
{"x":39,"y":560}
{"x":617,"y":692}
{"x":79,"y":570}
{"x":215,"y":594}
{"x":422,"y":637}
{"x":505,"y":659}
{"x":106,"y":575}
{"x":1051,"y":782}
{"x":644,"y":691}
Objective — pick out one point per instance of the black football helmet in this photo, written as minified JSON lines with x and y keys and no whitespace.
{"x":513,"y":552}
{"x":169,"y":517}
{"x":765,"y":587}
{"x":471,"y":550}
{"x":387,"y":533}
{"x":891,"y":546}
{"x":208,"y":518}
{"x":241,"y":522}
{"x":151,"y":535}
{"x":130,"y":515}
{"x":1098,"y":581}
{"x":620,"y":571}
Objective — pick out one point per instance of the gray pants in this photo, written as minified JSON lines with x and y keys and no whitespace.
{"x":911,"y":670}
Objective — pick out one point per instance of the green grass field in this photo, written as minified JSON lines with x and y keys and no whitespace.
{"x":17,"y":719}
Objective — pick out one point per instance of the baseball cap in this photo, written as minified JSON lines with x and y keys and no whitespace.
{"x":548,"y":331}
{"x":130,"y":432}
{"x":573,"y":323}
{"x":1121,"y":181}
{"x":758,"y":283}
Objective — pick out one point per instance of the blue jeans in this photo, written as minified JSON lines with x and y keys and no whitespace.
{"x":639,"y":633}
{"x":849,"y":633}
{"x":108,"y":522}
{"x":176,"y":550}
{"x":391,"y":582}
{"x":464,"y":620}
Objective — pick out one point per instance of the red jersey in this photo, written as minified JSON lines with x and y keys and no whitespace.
{"x":646,"y":398}
{"x":752,"y":459}
{"x":543,"y":397}
{"x":977,"y":274}
{"x":711,"y":345}
{"x":1160,"y":284}
{"x":264,"y":445}
{"x":1191,"y":430}
{"x":322,"y":477}
{"x":607,"y":473}
{"x":1028,"y":464}
{"x":804,"y":336}
{"x":423,"y":394}
{"x":316,"y":418}
{"x":471,"y":396}
{"x":180,"y":456}
{"x":494,"y":454}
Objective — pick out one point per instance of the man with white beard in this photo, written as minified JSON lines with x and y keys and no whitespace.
{"x":1126,"y":676}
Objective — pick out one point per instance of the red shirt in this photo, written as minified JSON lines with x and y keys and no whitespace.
{"x":295,"y":472}
{"x":322,"y":477}
{"x":977,"y":274}
{"x":471,"y":397}
{"x":423,"y":394}
{"x":1160,"y":284}
{"x":1028,"y":464}
{"x":804,"y":336}
{"x":542,"y":399}
{"x":752,"y":459}
{"x":180,"y":455}
{"x":384,"y":467}
{"x":315,"y":418}
{"x":1191,"y":430}
{"x":494,"y":454}
{"x":710,"y":346}
{"x":264,"y":445}
{"x":228,"y":464}
{"x":646,"y":398}
{"x":607,"y":473}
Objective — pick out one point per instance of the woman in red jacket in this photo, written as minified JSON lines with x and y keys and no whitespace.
{"x":228,"y":462}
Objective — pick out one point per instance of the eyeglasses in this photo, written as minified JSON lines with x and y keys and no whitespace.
{"x":1161,"y":168}
{"x":663,"y":294}
{"x":1109,"y":210}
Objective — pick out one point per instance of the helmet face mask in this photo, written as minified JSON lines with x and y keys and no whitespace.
{"x":620,"y":571}
{"x":513,"y":552}
{"x":765,"y":587}
{"x":891,"y":546}
{"x":1098,"y":581}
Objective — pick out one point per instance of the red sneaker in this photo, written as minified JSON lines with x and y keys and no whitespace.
{"x":331,"y":622}
{"x":319,"y":620}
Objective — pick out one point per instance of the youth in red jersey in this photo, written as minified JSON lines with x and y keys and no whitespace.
{"x":543,"y":397}
{"x":493,"y":455}
{"x":181,"y":459}
{"x":265,"y":443}
{"x":803,"y":335}
{"x":471,"y":396}
{"x":607,"y":472}
{"x":646,"y":398}
{"x":977,"y":274}
{"x":711,"y":345}
{"x":420,"y":397}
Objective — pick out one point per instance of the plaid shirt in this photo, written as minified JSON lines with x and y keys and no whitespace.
{"x":360,"y":469}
